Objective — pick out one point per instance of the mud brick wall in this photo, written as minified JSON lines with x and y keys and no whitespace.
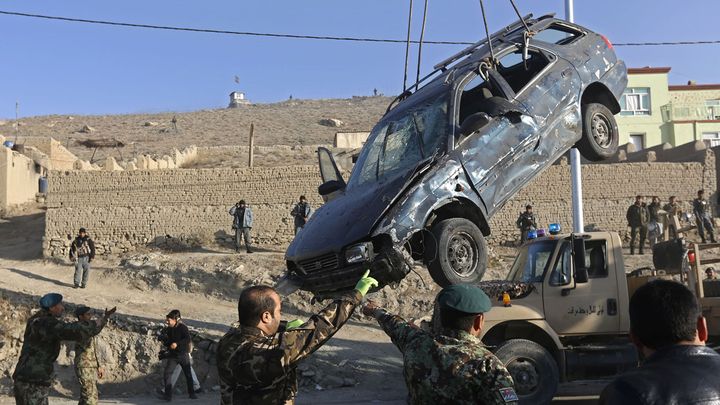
{"x":608,"y":191}
{"x":123,"y":209}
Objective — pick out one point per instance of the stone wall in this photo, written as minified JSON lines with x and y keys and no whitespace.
{"x":123,"y":209}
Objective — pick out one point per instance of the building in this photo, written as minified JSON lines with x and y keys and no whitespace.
{"x":237,"y":99}
{"x":654,"y":112}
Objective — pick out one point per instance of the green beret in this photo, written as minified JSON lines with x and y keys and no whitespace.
{"x":50,"y":300}
{"x":465,"y":298}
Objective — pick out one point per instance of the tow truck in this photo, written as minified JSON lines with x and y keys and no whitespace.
{"x":561,"y":314}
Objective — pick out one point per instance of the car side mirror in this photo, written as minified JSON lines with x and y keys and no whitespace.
{"x":330,"y":189}
{"x":474,"y":123}
{"x":581,"y":271}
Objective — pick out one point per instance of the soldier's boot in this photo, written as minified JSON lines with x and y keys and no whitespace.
{"x":168,"y":393}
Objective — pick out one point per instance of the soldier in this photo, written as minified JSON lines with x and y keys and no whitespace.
{"x":257,"y":359}
{"x":82,"y":252}
{"x":526,"y":222}
{"x":453,"y":365}
{"x":242,"y":224}
{"x":301,"y":212}
{"x":638,"y":217}
{"x":655,"y":226}
{"x":87,"y":366}
{"x":674,"y":212}
{"x":701,"y":209}
{"x":41,"y":345}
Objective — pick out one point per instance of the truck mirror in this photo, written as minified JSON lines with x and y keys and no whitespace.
{"x":581,"y":271}
{"x":330,"y":189}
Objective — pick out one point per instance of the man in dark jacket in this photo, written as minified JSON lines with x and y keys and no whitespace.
{"x":703,"y":217}
{"x":177,"y":340}
{"x":669,"y":331}
{"x":82,"y":252}
{"x":638,"y":217}
{"x":301,"y":212}
{"x":41,"y":346}
{"x":526,"y":222}
{"x":257,"y":360}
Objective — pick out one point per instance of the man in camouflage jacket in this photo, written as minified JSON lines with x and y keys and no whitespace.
{"x":452,"y":366}
{"x":257,"y":360}
{"x":41,"y":345}
{"x":87,"y":366}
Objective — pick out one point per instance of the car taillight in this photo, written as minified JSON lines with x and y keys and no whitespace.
{"x":607,"y":41}
{"x":691,"y":257}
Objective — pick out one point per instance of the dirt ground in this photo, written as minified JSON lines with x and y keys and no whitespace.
{"x":204,"y":285}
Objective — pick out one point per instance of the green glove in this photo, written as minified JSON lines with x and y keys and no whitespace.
{"x":365,"y":283}
{"x":294,"y":324}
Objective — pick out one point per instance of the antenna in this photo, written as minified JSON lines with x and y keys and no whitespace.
{"x":422,"y":35}
{"x":17,"y":123}
{"x":407,"y":46}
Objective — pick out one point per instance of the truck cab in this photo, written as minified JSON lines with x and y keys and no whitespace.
{"x":564,"y":315}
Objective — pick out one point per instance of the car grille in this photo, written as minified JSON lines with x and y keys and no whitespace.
{"x":320,"y":263}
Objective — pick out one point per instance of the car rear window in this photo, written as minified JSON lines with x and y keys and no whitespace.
{"x":558,"y":34}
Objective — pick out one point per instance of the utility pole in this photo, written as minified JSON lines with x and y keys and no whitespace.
{"x":251,"y":153}
{"x":575,"y":169}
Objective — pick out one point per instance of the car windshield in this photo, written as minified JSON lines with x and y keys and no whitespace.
{"x":531,"y":261}
{"x":400,"y":141}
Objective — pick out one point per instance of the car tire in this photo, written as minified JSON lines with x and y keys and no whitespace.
{"x":456,"y":252}
{"x":600,"y":134}
{"x":533,"y":370}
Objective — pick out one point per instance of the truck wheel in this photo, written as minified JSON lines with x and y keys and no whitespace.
{"x":532,"y":368}
{"x":600,"y":135}
{"x":456,"y":252}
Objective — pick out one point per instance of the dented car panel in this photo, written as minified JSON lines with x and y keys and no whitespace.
{"x":420,"y":165}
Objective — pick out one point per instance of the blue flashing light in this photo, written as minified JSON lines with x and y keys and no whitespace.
{"x":532,"y":234}
{"x":540,"y":233}
{"x":554,"y":228}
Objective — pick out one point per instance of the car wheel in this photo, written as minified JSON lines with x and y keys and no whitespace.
{"x":600,"y":136}
{"x":532,"y":368}
{"x":456,"y":253}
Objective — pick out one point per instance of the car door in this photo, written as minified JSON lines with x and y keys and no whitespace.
{"x":494,"y":156}
{"x":586,"y":307}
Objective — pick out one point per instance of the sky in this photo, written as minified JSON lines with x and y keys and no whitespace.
{"x":56,"y":67}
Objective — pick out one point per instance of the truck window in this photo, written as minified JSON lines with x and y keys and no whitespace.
{"x":531,"y":261}
{"x":596,"y":258}
{"x":561,"y":272}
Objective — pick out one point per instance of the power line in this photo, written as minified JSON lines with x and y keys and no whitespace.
{"x":313,"y":37}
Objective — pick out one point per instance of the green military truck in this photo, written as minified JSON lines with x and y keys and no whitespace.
{"x":565,"y":315}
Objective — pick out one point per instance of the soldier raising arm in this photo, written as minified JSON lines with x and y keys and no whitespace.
{"x":453,"y":366}
{"x":256,"y":362}
{"x":41,"y":346}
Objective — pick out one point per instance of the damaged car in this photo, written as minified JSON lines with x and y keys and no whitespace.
{"x":449,"y":154}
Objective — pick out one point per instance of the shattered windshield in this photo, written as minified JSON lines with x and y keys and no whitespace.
{"x":400,"y":141}
{"x":531,"y":261}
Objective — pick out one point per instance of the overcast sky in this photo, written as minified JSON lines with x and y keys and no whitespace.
{"x":56,"y":67}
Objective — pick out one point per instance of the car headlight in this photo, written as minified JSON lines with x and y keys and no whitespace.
{"x":357,"y":253}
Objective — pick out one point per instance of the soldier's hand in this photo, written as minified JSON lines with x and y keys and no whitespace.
{"x":366,"y":283}
{"x":109,"y":312}
{"x":368,"y":309}
{"x":100,"y":373}
{"x":173,"y":346}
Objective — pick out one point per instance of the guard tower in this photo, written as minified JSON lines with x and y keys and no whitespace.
{"x":237,"y":99}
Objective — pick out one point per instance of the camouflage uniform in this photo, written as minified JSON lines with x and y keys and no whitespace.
{"x":453,"y":367}
{"x":41,"y":346}
{"x":256,"y":369}
{"x":86,"y":369}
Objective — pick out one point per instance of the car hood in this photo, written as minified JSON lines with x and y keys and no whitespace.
{"x":346,"y":219}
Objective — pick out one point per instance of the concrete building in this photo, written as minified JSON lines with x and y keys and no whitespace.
{"x":654,"y":112}
{"x":19,"y":178}
{"x":237,"y":99}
